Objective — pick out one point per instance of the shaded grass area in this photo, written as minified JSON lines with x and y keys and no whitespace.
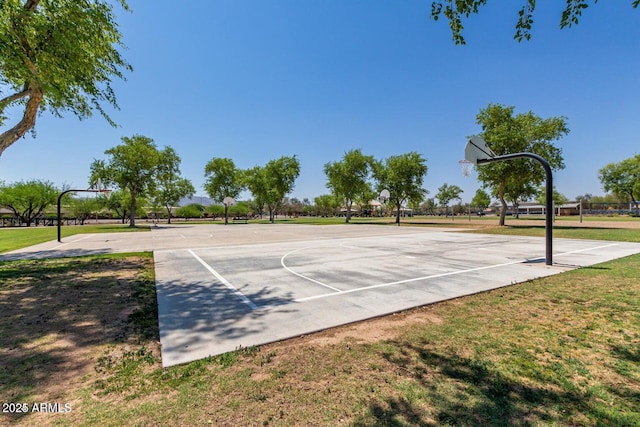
{"x":563,"y":350}
{"x":20,"y":237}
{"x":58,"y":315}
{"x":568,"y":232}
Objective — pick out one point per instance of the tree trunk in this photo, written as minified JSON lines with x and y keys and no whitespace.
{"x":503,"y":211}
{"x":398,"y":206}
{"x":132,"y":217}
{"x":168,"y":215}
{"x":348,"y":213}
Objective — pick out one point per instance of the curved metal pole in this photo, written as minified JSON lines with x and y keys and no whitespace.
{"x":60,"y":199}
{"x":549,"y":197}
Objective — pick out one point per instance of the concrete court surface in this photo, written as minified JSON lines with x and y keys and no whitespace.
{"x":220,"y":287}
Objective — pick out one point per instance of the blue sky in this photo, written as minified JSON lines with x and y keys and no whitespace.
{"x":256,"y":80}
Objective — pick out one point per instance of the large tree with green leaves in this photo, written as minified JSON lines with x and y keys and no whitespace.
{"x":455,"y":11}
{"x":622,"y":178}
{"x":223,"y":179}
{"x":505,"y":133}
{"x":447,"y":193}
{"x":481,"y":199}
{"x":28,"y":200}
{"x":270,"y":183}
{"x":132,"y":166}
{"x":59,"y":55}
{"x":402,"y":176}
{"x":349,"y":178}
{"x":170,"y":185}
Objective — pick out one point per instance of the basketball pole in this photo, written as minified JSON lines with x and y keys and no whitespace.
{"x":59,"y":211}
{"x":549,"y":196}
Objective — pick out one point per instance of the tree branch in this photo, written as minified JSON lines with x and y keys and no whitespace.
{"x":31,"y":5}
{"x":28,"y":118}
{"x":11,"y":98}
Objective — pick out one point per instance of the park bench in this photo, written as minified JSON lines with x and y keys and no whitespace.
{"x":241,"y":219}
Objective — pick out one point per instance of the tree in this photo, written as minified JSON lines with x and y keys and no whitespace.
{"x":454,"y":11}
{"x":171,"y":187}
{"x":584,"y":199}
{"x":293,"y":207}
{"x":481,"y":199}
{"x":518,"y":180}
{"x":83,"y":208}
{"x":193,"y":210}
{"x":403,"y":176}
{"x":558,"y":198}
{"x":28,"y":200}
{"x":132,"y":166}
{"x":59,"y":55}
{"x":215,"y":211}
{"x":428,"y":206}
{"x":119,"y":202}
{"x":622,"y":178}
{"x":348,"y":179}
{"x":271,"y":183}
{"x":223,"y":179}
{"x":240,"y":209}
{"x":447,"y":193}
{"x":326,"y":204}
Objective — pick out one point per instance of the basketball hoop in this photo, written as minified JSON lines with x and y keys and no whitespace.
{"x":466,"y":167}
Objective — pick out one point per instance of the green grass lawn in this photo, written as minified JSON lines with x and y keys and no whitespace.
{"x":12,"y":238}
{"x":591,"y":233}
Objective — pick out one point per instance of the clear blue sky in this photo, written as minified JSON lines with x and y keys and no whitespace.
{"x":256,"y":80}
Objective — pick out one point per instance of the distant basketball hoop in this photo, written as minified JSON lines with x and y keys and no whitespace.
{"x":466,"y":167}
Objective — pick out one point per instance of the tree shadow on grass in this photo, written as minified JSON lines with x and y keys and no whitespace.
{"x":449,"y":389}
{"x":54,"y":313}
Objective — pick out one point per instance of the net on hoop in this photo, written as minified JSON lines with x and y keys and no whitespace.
{"x":466,"y":167}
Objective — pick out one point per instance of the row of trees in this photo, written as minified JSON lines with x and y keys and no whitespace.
{"x":355,"y":176}
{"x":269,"y":184}
{"x":32,"y":201}
{"x":137,"y":168}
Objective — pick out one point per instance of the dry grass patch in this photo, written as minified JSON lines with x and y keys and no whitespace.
{"x":58,"y":318}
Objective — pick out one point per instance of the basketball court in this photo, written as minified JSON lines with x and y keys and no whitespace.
{"x":220,"y":298}
{"x":224,"y":287}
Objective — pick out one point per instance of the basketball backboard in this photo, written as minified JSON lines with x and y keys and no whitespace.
{"x":477,"y":149}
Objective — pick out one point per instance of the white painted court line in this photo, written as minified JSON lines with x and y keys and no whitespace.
{"x":588,"y":249}
{"x":302,"y":275}
{"x":224,"y":281}
{"x":68,"y":243}
{"x":415,"y":279}
{"x":450,"y":273}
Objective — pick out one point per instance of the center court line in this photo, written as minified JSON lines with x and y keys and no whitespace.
{"x":450,"y":273}
{"x":224,"y":281}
